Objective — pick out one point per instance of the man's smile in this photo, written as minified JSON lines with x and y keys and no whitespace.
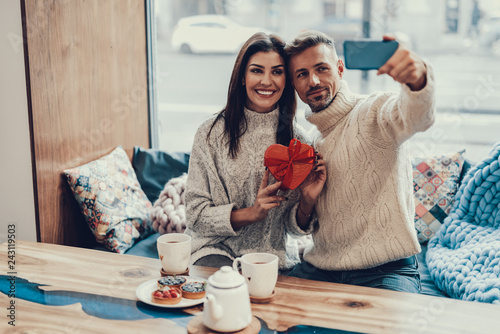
{"x":315,"y":92}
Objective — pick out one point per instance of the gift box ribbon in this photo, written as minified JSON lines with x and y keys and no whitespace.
{"x":290,"y":165}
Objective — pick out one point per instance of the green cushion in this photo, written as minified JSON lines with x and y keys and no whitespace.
{"x":155,"y":167}
{"x":145,"y":247}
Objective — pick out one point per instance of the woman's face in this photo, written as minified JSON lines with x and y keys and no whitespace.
{"x":264,"y":81}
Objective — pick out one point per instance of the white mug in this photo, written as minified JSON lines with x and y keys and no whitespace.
{"x":174,"y":250}
{"x":261,"y":272}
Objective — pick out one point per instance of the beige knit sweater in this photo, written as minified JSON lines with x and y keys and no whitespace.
{"x":366,"y":209}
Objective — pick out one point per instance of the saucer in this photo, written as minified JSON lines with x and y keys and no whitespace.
{"x":263,"y":300}
{"x":196,"y":326}
{"x":164,"y":273}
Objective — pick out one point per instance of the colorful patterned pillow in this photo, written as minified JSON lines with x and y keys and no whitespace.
{"x":435,"y":183}
{"x":112,"y":201}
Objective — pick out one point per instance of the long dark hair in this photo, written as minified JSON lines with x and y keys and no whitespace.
{"x":235,"y":123}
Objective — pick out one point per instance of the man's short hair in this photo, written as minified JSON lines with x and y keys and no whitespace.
{"x":306,"y":40}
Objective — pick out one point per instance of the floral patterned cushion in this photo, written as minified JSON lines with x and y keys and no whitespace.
{"x":112,"y":201}
{"x":435,"y":183}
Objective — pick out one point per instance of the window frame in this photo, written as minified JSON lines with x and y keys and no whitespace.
{"x":151,"y":36}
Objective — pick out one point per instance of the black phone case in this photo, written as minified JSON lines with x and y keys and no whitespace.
{"x":368,"y":54}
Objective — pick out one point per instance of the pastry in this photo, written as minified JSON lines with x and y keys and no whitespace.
{"x":167,"y":296}
{"x":171,"y":281}
{"x":193,"y":290}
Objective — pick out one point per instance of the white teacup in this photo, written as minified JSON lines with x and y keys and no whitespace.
{"x":260,"y":271}
{"x":174,"y":250}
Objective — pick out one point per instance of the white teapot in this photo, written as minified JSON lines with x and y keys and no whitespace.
{"x":227,"y":307}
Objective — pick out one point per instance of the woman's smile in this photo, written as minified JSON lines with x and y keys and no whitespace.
{"x":265,"y":93}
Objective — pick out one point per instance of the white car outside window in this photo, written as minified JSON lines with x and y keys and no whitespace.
{"x":210,"y":34}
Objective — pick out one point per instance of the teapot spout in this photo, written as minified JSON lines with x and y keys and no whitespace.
{"x":215,"y":310}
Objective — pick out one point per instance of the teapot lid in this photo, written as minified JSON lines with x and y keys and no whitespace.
{"x":225,"y":278}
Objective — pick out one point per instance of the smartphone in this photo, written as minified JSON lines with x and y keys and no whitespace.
{"x":366,"y":54}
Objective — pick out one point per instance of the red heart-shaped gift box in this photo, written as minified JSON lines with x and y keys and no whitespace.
{"x":291,"y":164}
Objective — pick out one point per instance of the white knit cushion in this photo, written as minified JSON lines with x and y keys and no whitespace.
{"x":169,"y":210}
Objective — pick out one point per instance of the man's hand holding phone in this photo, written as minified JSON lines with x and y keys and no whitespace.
{"x":405,"y":67}
{"x":389,"y":57}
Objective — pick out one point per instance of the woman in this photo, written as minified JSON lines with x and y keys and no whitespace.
{"x":231,"y":208}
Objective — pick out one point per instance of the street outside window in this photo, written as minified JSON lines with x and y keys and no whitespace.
{"x":197,"y":43}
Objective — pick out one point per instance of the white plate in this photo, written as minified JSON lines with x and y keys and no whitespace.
{"x":144,"y":291}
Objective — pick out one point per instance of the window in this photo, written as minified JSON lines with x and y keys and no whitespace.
{"x":193,"y":74}
{"x":452,"y":16}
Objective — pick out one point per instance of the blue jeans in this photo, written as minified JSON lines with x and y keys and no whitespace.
{"x":217,"y":261}
{"x":401,"y":275}
{"x":214,"y":260}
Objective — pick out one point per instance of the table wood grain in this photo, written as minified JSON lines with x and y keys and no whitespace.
{"x":297,"y":301}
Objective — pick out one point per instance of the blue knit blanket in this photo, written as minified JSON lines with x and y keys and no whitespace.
{"x":464,"y":256}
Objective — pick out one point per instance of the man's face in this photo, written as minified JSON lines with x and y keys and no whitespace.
{"x":316,"y":75}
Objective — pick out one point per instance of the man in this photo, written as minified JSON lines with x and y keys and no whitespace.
{"x":365,"y":233}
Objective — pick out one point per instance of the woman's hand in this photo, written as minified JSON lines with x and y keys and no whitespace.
{"x":266,"y":200}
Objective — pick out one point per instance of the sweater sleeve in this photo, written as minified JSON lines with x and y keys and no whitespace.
{"x":293,"y":227}
{"x":208,"y":211}
{"x":403,"y":115}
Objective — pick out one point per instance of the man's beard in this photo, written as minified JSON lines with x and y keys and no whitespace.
{"x":319,"y":103}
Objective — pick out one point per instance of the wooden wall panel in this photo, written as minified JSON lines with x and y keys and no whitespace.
{"x":87,"y":72}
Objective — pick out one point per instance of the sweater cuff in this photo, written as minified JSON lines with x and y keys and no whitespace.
{"x":422,"y":103}
{"x":221,"y":216}
{"x":294,"y":228}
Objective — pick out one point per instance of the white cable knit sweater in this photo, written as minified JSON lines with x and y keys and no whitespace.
{"x":217,"y":184}
{"x":366,"y":209}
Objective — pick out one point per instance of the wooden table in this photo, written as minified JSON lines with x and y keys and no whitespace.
{"x":71,"y":279}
